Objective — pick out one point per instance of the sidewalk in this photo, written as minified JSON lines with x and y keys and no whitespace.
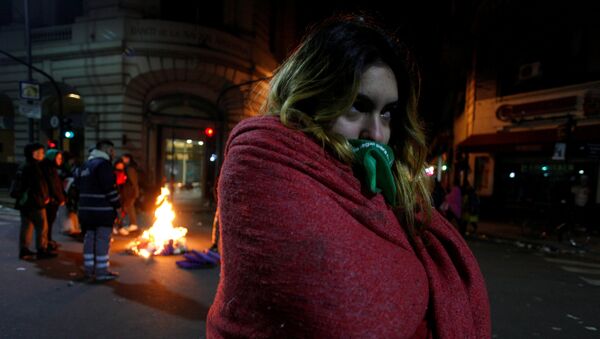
{"x":504,"y":232}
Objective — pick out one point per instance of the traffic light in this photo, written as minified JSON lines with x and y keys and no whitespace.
{"x":51,"y":144}
{"x":67,"y":128}
{"x":209,"y":132}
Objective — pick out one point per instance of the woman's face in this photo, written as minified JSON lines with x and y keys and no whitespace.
{"x":59,"y":159}
{"x":371,"y":114}
{"x":38,"y":154}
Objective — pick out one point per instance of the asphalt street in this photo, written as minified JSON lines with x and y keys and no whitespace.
{"x":537,"y":295}
{"x":532,"y":293}
{"x":151,"y":299}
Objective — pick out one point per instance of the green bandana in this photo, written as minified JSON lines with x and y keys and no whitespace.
{"x":375,"y":162}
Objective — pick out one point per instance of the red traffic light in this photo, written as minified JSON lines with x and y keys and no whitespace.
{"x":51,"y":144}
{"x":209,"y":132}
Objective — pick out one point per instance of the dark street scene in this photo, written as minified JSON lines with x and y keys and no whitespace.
{"x":262,"y":168}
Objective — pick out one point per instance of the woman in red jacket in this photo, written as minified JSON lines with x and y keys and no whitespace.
{"x":327,"y":228}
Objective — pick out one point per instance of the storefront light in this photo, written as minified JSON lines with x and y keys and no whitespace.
{"x":200,"y":143}
{"x":189,"y":141}
{"x":512,"y":175}
{"x":213,"y":157}
{"x":581,"y":172}
{"x":429,"y":171}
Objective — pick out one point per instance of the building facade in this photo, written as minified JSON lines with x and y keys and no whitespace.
{"x":530,"y":129}
{"x":165,"y":82}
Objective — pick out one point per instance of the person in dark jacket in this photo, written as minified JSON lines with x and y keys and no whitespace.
{"x":119,"y":169}
{"x":130,"y":191}
{"x":31,"y":193}
{"x":50,"y":166}
{"x":98,"y":208}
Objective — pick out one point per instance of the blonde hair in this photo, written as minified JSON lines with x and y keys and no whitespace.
{"x":320,"y":81}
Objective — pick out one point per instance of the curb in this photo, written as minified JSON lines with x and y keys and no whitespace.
{"x":546,"y":247}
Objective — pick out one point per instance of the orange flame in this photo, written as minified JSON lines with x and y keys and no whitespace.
{"x":162,"y":233}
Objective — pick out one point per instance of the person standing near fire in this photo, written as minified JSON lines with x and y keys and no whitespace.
{"x":130,"y":191}
{"x":50,"y":166}
{"x":99,"y":205}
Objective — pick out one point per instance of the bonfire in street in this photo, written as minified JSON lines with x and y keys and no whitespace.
{"x":162,"y":238}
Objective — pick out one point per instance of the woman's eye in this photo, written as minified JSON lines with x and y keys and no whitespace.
{"x":362,"y":106}
{"x":386,"y":116}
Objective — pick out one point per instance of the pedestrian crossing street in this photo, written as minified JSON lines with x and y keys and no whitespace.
{"x":587,"y":271}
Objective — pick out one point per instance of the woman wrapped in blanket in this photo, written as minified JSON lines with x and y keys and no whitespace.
{"x":327,"y":228}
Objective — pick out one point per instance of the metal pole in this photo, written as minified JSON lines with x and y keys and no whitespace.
{"x":54,"y":84}
{"x":28,"y":43}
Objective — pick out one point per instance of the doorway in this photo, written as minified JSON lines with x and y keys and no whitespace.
{"x":187,"y":165}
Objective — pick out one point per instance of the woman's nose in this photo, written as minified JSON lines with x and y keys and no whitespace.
{"x":372,"y":129}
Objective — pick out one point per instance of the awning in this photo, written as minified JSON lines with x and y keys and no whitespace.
{"x":534,"y":140}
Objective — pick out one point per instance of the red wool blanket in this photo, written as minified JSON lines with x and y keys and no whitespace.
{"x":305,"y":253}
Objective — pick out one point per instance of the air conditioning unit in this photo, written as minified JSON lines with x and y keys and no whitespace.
{"x":530,"y":71}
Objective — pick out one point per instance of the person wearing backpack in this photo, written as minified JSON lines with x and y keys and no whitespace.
{"x":30,"y":190}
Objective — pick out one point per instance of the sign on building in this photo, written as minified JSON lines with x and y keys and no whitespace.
{"x":560,"y":148}
{"x":30,"y":108}
{"x":29,"y":90}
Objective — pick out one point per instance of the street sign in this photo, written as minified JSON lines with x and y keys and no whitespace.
{"x":30,"y":108}
{"x":560,"y":149}
{"x":54,"y":121}
{"x":29,"y":90}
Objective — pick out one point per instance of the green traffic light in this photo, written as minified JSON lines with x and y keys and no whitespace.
{"x":69,"y":134}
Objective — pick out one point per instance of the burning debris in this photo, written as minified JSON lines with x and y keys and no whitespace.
{"x":162,"y":238}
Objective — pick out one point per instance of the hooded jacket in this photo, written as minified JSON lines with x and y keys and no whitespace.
{"x":98,"y":195}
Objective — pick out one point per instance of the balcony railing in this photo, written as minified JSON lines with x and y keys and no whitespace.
{"x":56,"y":33}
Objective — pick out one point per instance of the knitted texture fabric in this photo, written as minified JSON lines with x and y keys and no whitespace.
{"x":306,"y":252}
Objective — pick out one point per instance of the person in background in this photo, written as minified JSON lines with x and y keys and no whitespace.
{"x":31,"y":194}
{"x":438,"y":194}
{"x":577,"y":210}
{"x":50,"y":168}
{"x":327,"y":228}
{"x":130,"y":191}
{"x":70,"y":225}
{"x":470,"y":209}
{"x":99,"y":205}
{"x":581,"y":196}
{"x":452,"y":205}
{"x":121,"y":179}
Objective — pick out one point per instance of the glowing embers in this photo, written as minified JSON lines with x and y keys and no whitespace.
{"x":162,"y":238}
